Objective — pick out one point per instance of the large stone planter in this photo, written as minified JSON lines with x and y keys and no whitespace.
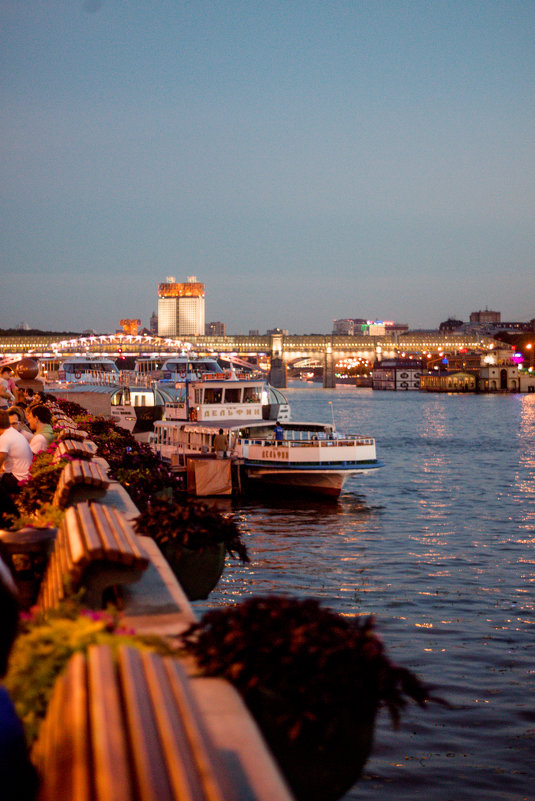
{"x":197,"y":571}
{"x":315,"y":772}
{"x":26,"y":552}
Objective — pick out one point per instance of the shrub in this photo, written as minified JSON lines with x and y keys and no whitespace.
{"x":193,"y":525}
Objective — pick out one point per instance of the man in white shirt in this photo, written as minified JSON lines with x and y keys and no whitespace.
{"x":15,"y":461}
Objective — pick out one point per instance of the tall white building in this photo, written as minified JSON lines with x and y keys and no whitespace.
{"x":181,"y":308}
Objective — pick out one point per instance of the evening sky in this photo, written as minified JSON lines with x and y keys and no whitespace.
{"x":305,"y":160}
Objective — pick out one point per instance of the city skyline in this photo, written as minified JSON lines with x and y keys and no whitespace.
{"x":308,"y":162}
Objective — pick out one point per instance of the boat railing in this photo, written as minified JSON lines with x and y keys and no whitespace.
{"x":346,"y":442}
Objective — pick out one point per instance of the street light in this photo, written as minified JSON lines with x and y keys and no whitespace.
{"x":529,"y":347}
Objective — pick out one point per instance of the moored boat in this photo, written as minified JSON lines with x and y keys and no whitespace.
{"x":311,"y":457}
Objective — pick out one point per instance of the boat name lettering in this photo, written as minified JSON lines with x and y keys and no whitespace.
{"x":274,"y":453}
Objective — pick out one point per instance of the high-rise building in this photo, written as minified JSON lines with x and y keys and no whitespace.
{"x":216,"y":329}
{"x":482,"y":317}
{"x":181,"y":308}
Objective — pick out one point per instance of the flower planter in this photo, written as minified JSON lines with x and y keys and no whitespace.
{"x":315,"y":772}
{"x":26,"y":552}
{"x":197,"y":571}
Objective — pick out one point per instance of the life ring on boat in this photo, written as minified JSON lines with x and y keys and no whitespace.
{"x":193,"y":414}
{"x":77,"y":375}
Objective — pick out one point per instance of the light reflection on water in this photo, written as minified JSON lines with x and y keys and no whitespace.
{"x":440,"y":547}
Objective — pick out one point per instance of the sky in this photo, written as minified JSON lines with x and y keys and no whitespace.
{"x":305,"y":160}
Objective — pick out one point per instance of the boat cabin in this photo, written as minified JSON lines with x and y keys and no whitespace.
{"x":239,"y":399}
{"x":181,"y":368}
{"x":82,"y":369}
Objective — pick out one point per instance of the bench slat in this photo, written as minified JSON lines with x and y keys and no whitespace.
{"x":181,"y":730}
{"x":151,"y":774}
{"x":112,"y":776}
{"x":76,"y":537}
{"x":93,"y":542}
{"x":128,"y":538}
{"x":104,"y":528}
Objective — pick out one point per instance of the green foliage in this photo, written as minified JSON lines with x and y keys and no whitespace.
{"x":46,"y":643}
{"x":42,"y":483}
{"x":44,"y":516}
{"x":193,"y":525}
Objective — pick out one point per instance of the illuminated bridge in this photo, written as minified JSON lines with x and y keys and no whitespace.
{"x":277,"y":351}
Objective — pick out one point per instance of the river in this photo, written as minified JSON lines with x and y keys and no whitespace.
{"x":438,"y":545}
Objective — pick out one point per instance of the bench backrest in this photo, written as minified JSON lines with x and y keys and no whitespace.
{"x":77,"y":476}
{"x":76,"y":449}
{"x":96,"y":548}
{"x":127,"y":730}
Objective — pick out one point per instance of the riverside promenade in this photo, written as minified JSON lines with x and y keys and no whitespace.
{"x":103,"y":737}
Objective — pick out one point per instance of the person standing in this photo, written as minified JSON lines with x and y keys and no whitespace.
{"x":220,"y":444}
{"x":278,"y":433}
{"x":6,"y":396}
{"x":15,"y":461}
{"x":7,"y":374}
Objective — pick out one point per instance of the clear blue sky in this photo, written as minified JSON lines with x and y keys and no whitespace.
{"x":305,"y":160}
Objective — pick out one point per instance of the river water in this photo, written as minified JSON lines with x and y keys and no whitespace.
{"x":438,"y":545}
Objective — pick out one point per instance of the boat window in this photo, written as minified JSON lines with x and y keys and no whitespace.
{"x":213,"y":395}
{"x":232,"y":394}
{"x":117,"y":398}
{"x":251,"y":395}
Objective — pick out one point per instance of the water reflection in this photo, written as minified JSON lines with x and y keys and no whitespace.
{"x":439,"y":545}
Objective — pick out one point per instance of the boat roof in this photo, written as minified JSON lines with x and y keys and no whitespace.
{"x":293,"y":425}
{"x":84,"y":359}
{"x":97,"y":389}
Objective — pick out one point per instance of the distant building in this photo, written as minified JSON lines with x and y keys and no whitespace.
{"x":449,"y":382}
{"x":153,"y":324}
{"x":397,"y":374}
{"x":271,"y":331}
{"x":181,"y":308}
{"x":483,"y":317}
{"x":130,"y":327}
{"x":254,"y":332}
{"x":450,"y":324}
{"x":344,"y":327}
{"x":216,"y":329}
{"x":358,"y":326}
{"x":499,"y":378}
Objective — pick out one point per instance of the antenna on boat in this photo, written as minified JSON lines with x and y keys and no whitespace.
{"x":332,"y":412}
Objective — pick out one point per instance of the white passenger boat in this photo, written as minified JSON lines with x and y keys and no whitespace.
{"x":312,"y":457}
{"x":129,"y":400}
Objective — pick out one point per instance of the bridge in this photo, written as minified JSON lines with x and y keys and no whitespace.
{"x":275,"y":352}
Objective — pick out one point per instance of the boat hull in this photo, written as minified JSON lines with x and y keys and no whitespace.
{"x":328,"y":483}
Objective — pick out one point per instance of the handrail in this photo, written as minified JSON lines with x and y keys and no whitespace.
{"x":322,"y":443}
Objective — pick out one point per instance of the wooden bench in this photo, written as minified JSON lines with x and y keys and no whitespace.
{"x":80,"y":480}
{"x":61,"y":418}
{"x":72,"y":433}
{"x":96,"y":548}
{"x":127,"y":730}
{"x":76,"y":449}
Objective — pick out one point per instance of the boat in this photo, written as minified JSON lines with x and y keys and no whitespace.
{"x":129,"y":400}
{"x":312,"y":457}
{"x":191,"y":367}
{"x":82,"y":369}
